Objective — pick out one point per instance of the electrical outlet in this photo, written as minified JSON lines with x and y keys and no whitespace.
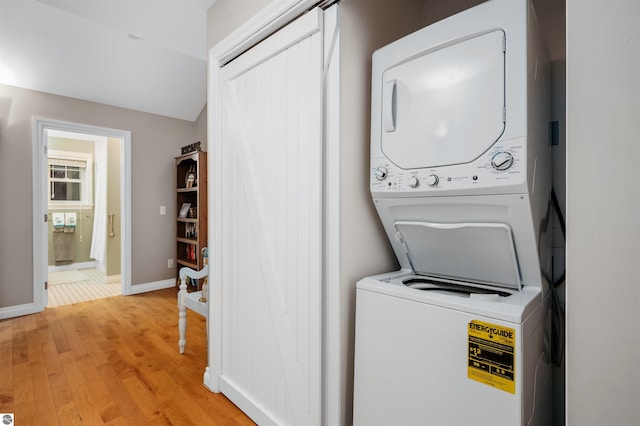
{"x":170,"y":263}
{"x":163,"y":210}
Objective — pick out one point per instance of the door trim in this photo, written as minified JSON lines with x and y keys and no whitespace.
{"x":267,"y":21}
{"x":40,"y":260}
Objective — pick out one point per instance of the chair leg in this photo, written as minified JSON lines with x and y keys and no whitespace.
{"x":182,"y":316}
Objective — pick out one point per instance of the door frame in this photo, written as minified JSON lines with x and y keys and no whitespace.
{"x":40,"y":208}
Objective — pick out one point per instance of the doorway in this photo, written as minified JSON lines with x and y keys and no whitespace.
{"x":83,"y":191}
{"x":66,"y":213}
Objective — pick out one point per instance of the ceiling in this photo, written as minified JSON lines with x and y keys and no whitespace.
{"x":146,"y":55}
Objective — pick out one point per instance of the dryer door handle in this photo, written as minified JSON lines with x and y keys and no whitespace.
{"x":389,"y":103}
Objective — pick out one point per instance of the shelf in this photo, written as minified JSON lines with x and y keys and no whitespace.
{"x":187,"y":263}
{"x":193,"y":189}
{"x":187,"y":219}
{"x":187,"y":241}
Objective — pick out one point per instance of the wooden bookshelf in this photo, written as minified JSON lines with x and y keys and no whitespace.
{"x":191,"y":198}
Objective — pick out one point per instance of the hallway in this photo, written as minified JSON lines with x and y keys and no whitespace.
{"x":113,"y":361}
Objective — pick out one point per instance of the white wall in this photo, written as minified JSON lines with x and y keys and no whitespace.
{"x":603,"y":212}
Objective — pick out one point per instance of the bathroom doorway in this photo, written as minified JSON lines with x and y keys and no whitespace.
{"x":83,"y":192}
{"x":82,"y":186}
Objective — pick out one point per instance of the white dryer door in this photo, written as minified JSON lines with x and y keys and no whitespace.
{"x":445,"y":106}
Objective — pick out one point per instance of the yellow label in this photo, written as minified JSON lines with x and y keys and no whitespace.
{"x":492,"y":355}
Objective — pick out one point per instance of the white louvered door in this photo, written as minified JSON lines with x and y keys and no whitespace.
{"x":271,"y":230}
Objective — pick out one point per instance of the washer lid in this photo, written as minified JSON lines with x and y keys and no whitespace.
{"x":446,"y":106}
{"x":474,"y":252}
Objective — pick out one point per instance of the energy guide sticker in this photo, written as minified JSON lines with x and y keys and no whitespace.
{"x":492,"y":355}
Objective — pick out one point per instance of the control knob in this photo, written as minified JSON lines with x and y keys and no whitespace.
{"x":414,"y":182}
{"x":381,"y":173}
{"x":432,"y":180}
{"x":502,"y":161}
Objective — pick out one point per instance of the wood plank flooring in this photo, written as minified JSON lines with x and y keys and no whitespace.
{"x":111,"y":361}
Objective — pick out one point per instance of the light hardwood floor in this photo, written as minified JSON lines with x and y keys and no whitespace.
{"x":110,"y":361}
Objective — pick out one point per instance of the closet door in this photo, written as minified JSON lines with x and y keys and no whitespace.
{"x":271,"y":212}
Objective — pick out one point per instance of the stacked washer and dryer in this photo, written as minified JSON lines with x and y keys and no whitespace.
{"x":461,"y":180}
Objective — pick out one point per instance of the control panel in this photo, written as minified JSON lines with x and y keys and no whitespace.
{"x":499,"y":166}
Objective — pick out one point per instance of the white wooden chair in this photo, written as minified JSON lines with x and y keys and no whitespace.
{"x":196,"y":301}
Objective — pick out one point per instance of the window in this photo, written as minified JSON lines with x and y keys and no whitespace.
{"x":70,"y":179}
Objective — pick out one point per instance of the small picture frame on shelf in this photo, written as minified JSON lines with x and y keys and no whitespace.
{"x":184,"y":210}
{"x":190,"y":178}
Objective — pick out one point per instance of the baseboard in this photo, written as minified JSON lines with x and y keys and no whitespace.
{"x":112,"y":279}
{"x":156,"y":285}
{"x":29,"y":308}
{"x":246,"y":403}
{"x":17,"y":311}
{"x":207,"y":378}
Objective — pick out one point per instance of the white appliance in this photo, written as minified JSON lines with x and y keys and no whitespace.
{"x":460,"y":177}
